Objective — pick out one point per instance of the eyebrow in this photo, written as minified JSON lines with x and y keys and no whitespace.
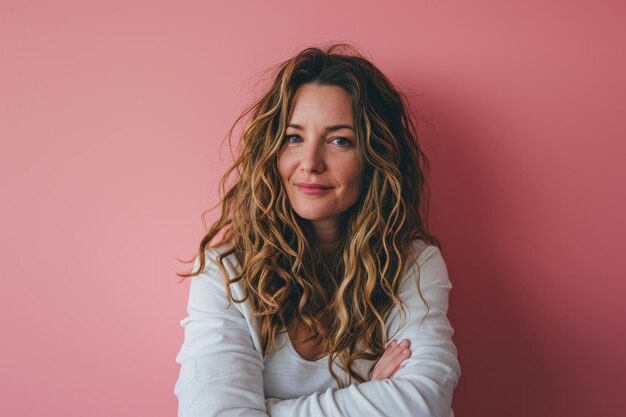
{"x":328,"y":128}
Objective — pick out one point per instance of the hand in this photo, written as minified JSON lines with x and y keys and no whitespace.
{"x":393,"y":356}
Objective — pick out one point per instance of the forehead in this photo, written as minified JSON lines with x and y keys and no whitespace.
{"x":316,"y":103}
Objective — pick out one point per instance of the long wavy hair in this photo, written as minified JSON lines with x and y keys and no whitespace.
{"x":278,"y":259}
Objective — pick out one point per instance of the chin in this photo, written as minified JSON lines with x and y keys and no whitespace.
{"x":311,"y":215}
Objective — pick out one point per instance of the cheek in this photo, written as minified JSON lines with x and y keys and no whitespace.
{"x":351,"y":173}
{"x":282,"y":166}
{"x":356,"y":187}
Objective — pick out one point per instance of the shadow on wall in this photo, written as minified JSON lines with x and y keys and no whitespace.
{"x":472,"y":207}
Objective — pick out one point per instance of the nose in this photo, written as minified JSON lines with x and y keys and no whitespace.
{"x":312,"y":158}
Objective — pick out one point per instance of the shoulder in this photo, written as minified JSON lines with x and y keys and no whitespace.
{"x":217,"y":255}
{"x":214,"y":275}
{"x":214,"y":260}
{"x":426,"y":268}
{"x":424,"y":289}
{"x":423,"y":252}
{"x":426,"y":254}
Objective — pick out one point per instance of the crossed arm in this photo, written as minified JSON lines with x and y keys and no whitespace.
{"x":222,"y":371}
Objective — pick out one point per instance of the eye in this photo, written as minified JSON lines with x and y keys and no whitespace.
{"x":341,"y":141}
{"x":292,"y":139}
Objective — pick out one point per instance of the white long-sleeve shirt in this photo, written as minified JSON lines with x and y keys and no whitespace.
{"x":223,"y":372}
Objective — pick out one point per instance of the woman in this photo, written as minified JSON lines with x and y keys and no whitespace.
{"x":320,"y":263}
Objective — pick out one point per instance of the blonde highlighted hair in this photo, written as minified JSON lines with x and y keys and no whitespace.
{"x":279,"y":263}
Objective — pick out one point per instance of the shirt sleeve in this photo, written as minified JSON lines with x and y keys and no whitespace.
{"x":221,"y":372}
{"x":424,"y":385}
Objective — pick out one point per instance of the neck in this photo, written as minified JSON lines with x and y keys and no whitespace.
{"x":328,"y":235}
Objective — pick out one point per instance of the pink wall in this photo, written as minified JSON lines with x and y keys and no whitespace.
{"x":111,"y":120}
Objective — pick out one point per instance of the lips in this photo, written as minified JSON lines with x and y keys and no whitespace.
{"x":312,"y":189}
{"x":312,"y":186}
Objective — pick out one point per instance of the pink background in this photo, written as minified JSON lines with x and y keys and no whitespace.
{"x":111,"y":120}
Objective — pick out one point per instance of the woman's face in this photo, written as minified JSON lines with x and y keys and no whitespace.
{"x":319,"y":164}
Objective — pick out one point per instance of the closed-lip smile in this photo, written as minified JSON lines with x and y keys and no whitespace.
{"x":313,"y":185}
{"x":313,"y":189}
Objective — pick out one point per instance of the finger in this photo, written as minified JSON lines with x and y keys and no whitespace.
{"x":390,"y":360}
{"x":402,"y":352}
{"x":408,"y":355}
{"x":394,"y":366}
{"x":384,"y":359}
